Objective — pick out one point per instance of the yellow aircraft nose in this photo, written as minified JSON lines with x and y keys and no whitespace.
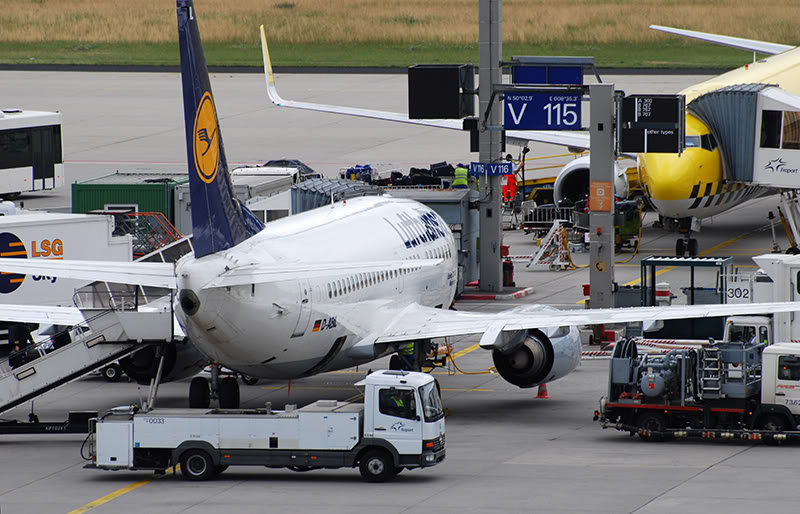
{"x":673,"y":182}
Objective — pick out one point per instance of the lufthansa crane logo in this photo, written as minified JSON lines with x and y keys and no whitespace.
{"x":11,"y":247}
{"x":206,"y":139}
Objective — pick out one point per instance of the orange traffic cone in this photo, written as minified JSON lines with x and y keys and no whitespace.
{"x":542,"y":394}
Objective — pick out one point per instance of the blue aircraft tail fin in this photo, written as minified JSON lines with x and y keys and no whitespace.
{"x":219,"y":220}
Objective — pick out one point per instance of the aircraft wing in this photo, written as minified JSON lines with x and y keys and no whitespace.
{"x":752,"y":45}
{"x":41,"y":314}
{"x":259,"y":274}
{"x":155,"y":274}
{"x":576,"y":141}
{"x":419,"y":322}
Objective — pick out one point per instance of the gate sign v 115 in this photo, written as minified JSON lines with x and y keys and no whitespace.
{"x":534,"y":110}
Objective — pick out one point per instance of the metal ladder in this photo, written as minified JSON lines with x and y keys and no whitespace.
{"x":712,"y":373}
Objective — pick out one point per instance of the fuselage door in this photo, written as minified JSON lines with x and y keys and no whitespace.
{"x":305,"y":308}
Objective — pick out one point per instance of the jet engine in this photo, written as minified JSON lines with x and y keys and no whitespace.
{"x":572,"y":182}
{"x":182,"y":360}
{"x":527,"y":364}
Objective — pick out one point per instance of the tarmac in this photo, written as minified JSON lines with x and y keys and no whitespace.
{"x":507,"y":452}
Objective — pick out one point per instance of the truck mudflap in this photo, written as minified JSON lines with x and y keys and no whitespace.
{"x":687,"y":433}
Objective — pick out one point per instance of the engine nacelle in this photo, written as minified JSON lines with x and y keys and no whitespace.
{"x":182,"y":360}
{"x":529,"y":363}
{"x":572,"y":182}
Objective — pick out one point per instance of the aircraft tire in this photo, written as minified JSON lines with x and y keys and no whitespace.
{"x":199,"y":393}
{"x":680,"y":247}
{"x":692,"y":247}
{"x":229,"y":393}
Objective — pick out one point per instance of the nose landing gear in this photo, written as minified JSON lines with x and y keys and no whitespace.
{"x":686,"y":243}
{"x":226,"y":390}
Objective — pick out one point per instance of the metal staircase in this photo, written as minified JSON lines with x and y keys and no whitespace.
{"x":712,"y":373}
{"x":106,"y":335}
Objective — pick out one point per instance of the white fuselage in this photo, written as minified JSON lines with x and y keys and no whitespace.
{"x":294,"y":327}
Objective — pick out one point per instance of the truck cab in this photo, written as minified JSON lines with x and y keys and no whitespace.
{"x":406,"y":411}
{"x":748,"y":329}
{"x":780,"y":383}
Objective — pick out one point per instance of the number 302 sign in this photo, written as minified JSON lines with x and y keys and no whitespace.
{"x":542,"y":111}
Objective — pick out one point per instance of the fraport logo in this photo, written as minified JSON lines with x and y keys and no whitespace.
{"x":11,"y":247}
{"x":779,"y":166}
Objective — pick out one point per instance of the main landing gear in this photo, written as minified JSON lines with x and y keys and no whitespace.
{"x":202,"y":391}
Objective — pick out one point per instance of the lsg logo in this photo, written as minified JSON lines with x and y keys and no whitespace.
{"x":12,"y":247}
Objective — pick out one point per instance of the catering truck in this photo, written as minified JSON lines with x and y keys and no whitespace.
{"x":44,"y":235}
{"x":727,"y":390}
{"x":399,"y":426}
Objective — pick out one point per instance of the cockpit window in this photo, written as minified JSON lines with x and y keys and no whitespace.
{"x":706,"y":142}
{"x":693,"y":142}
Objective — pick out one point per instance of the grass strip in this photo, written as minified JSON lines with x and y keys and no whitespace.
{"x":617,"y":55}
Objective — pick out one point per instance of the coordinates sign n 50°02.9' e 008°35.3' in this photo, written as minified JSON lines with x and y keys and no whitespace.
{"x":536,"y":110}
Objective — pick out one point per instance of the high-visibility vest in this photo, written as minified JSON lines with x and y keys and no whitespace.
{"x":461,"y":177}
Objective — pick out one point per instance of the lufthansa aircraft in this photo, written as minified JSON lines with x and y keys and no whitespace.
{"x":333,"y":287}
{"x":683,"y":188}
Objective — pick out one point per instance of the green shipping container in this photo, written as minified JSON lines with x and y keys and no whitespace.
{"x":138,"y":191}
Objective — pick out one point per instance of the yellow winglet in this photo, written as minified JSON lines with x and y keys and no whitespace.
{"x":267,"y":61}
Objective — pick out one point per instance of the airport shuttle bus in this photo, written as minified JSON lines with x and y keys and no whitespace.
{"x":31,"y":157}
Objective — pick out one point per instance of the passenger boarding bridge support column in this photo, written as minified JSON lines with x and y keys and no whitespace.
{"x":490,"y":46}
{"x":601,"y":196}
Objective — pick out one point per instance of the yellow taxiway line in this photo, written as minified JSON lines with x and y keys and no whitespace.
{"x":119,"y":492}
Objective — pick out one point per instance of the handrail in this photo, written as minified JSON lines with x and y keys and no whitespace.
{"x":45,"y":348}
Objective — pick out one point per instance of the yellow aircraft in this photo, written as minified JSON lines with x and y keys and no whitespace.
{"x":683,"y":188}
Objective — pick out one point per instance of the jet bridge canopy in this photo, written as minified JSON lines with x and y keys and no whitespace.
{"x":731,"y":113}
{"x":757,"y":127}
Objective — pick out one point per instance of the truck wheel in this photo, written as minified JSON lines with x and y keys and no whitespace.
{"x":197,"y":465}
{"x":652,"y":421}
{"x":199,"y":394}
{"x":248,"y":380}
{"x":773,"y":423}
{"x":376,"y":466}
{"x":112,"y":372}
{"x":229,"y":393}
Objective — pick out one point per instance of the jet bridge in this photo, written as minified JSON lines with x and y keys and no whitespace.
{"x":764,"y":114}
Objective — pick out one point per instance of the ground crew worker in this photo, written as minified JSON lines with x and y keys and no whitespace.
{"x":461,"y":180}
{"x":406,"y":353}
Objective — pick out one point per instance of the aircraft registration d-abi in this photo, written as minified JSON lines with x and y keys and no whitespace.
{"x":703,"y":181}
{"x":333,"y":287}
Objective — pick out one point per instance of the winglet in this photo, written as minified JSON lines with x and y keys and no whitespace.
{"x":730,"y":41}
{"x":272,"y":90}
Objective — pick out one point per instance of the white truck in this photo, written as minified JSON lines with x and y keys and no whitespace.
{"x":399,"y":425}
{"x":736,"y":390}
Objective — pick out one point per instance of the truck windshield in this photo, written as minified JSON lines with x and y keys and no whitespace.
{"x":431,"y":402}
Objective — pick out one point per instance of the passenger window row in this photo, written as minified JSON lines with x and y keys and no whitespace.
{"x":358,"y":281}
